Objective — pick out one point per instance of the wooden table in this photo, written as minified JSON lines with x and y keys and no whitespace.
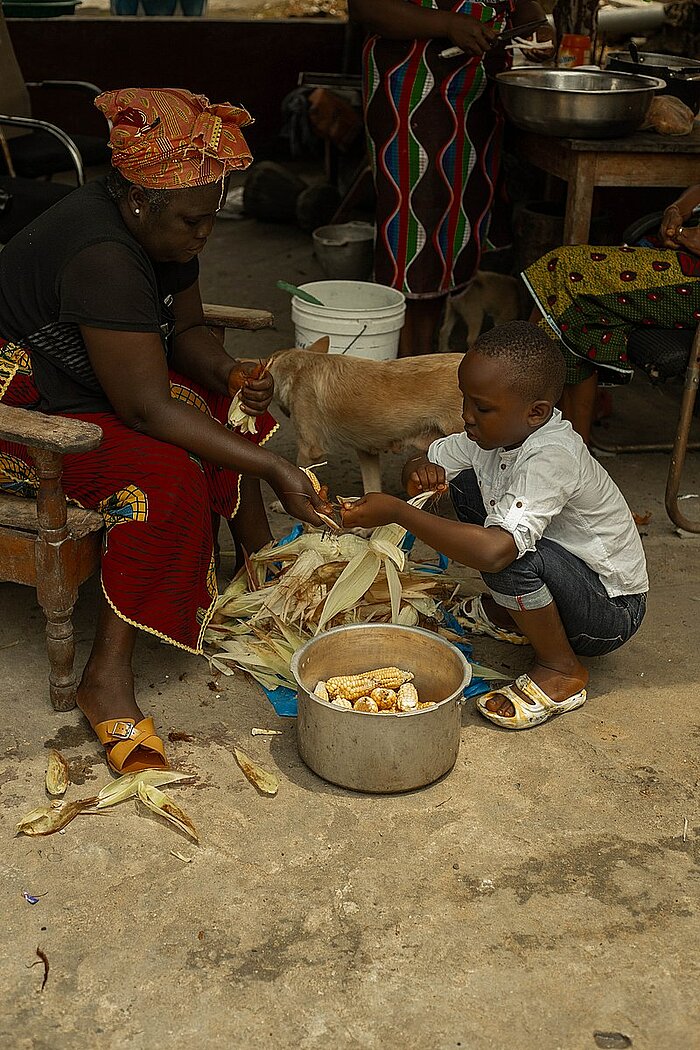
{"x":643,"y":159}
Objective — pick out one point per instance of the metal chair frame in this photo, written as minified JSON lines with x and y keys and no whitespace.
{"x":681,"y":444}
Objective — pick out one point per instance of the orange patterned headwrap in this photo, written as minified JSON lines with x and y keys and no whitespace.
{"x":168,"y":138}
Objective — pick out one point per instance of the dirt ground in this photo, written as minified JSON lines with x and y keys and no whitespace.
{"x":542,"y":896}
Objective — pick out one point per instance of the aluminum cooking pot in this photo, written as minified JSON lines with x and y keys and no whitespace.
{"x":682,"y":75}
{"x":372,"y":752}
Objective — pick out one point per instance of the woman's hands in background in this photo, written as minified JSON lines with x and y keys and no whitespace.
{"x":470,"y":35}
{"x":673,"y":234}
{"x":255,"y":384}
{"x":671,"y":221}
{"x":548,"y":38}
{"x":529,"y":11}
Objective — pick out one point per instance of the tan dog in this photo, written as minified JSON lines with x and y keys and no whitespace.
{"x":492,"y":295}
{"x":372,"y":406}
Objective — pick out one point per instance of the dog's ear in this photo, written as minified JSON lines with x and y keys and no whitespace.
{"x":321,"y":346}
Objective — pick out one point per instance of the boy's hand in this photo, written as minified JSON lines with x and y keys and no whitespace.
{"x":425,"y":477}
{"x":376,"y":508}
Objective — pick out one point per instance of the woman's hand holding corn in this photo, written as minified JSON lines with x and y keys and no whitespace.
{"x":255,"y":384}
{"x":295,"y":492}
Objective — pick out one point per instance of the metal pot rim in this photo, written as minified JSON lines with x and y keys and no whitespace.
{"x":657,"y":61}
{"x":420,"y":631}
{"x":518,"y":78}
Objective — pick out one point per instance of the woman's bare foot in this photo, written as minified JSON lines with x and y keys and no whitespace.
{"x":106,"y":688}
{"x":103,"y":694}
{"x":558,"y":685}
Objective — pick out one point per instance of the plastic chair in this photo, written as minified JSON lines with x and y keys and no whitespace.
{"x":35,"y":148}
{"x":665,"y":354}
{"x":54,"y":547}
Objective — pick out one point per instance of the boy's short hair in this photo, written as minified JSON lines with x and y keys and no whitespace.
{"x":534,"y":360}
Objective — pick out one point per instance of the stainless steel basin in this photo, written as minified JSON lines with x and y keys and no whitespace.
{"x":577,"y":103}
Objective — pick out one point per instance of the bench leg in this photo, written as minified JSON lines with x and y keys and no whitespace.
{"x":680,"y":445}
{"x":57,"y":578}
{"x":60,"y":644}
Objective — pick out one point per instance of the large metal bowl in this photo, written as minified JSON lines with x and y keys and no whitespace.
{"x":380,"y":753}
{"x":577,"y":104}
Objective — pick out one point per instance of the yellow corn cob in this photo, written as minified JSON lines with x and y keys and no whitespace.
{"x":367,"y":704}
{"x":340,"y":701}
{"x":351,"y":686}
{"x":428,"y":703}
{"x":321,"y":691}
{"x":382,"y":677}
{"x":385,"y":699}
{"x":407,"y":697}
{"x":389,"y":677}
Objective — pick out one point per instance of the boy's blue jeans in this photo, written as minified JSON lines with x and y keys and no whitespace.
{"x":594,"y":622}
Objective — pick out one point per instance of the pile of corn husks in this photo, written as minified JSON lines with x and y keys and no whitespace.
{"x":291,"y":591}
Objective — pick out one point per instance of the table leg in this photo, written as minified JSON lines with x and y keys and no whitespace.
{"x":579,"y":198}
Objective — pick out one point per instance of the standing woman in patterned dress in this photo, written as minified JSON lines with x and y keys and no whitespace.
{"x":433,"y":129}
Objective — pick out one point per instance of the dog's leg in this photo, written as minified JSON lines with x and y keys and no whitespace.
{"x":447,"y":327}
{"x":371,"y":470}
{"x":472,"y":311}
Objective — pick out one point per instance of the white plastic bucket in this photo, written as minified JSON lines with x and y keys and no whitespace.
{"x":361,"y":319}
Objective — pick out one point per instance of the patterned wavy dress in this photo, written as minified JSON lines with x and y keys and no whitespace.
{"x":434,"y":130}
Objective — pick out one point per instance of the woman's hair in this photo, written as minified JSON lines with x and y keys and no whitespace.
{"x":118,"y":187}
{"x":534,"y":360}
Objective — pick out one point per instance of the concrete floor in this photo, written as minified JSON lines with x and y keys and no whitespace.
{"x":543,"y":896}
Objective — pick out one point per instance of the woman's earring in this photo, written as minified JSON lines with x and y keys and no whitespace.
{"x":137,"y":211}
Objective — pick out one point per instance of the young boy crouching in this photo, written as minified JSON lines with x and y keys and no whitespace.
{"x":539,"y":518}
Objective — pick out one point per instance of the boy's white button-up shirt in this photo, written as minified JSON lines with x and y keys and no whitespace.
{"x":552,"y":487}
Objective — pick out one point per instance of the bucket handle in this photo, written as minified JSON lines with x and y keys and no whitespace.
{"x":354,"y":340}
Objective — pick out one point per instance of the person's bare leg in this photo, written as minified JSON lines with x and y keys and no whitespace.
{"x":106,"y":688}
{"x":250,"y":528}
{"x":422,"y":320}
{"x":557,"y":670}
{"x":578,"y":403}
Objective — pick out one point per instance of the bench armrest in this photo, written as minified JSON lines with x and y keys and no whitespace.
{"x":50,"y":433}
{"x":237,"y":317}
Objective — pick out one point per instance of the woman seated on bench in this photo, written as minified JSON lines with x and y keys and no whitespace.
{"x":101,"y":319}
{"x":592,"y":298}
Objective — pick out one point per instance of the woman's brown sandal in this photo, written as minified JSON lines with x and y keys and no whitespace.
{"x":131,"y":746}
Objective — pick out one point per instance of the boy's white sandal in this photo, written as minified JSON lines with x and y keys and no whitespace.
{"x":472,"y":616}
{"x":527,"y":715}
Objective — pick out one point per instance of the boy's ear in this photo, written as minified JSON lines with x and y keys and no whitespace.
{"x":321,"y":346}
{"x":539,"y":413}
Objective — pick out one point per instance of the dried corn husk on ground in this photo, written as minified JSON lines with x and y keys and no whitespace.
{"x":57,"y":775}
{"x":290,"y":592}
